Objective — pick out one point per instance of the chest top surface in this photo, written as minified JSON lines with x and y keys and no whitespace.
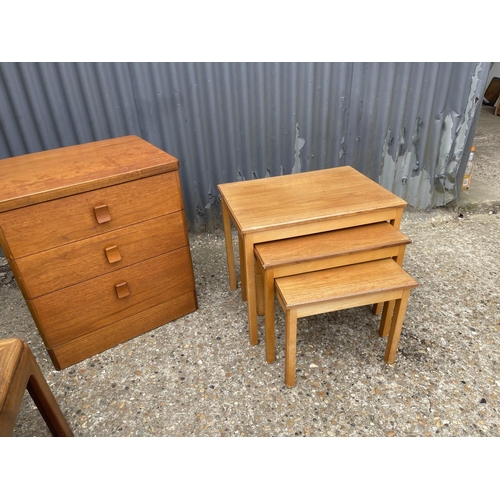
{"x":37,"y":177}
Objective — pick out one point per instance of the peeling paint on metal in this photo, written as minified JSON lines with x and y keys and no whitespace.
{"x":406,"y":125}
{"x":422,"y":184}
{"x":342,"y":149}
{"x":452,"y":150}
{"x":402,"y":175}
{"x":299,"y":144}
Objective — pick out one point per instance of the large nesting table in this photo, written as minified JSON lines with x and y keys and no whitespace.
{"x":274,"y":208}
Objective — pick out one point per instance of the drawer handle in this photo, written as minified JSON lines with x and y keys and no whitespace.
{"x":102,"y":214}
{"x":113,"y":254}
{"x":122,"y":290}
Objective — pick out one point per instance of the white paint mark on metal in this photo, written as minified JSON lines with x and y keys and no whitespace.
{"x":342,"y":149}
{"x":402,"y":170}
{"x":452,"y":147}
{"x":402,"y":175}
{"x":299,"y":144}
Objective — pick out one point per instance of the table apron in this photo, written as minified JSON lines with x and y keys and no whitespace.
{"x":393,"y":215}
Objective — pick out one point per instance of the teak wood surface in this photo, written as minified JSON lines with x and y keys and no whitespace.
{"x":62,"y":316}
{"x":343,"y":288}
{"x":19,"y":372}
{"x":82,"y":260}
{"x":99,"y":340}
{"x":96,"y":237}
{"x":275,"y":208}
{"x":315,"y":252}
{"x":47,"y":175}
{"x":58,"y":222}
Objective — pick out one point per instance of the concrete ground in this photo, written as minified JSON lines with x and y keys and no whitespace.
{"x":199,"y":375}
{"x":485,"y":188}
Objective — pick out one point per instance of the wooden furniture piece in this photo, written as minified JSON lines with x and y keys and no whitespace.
{"x":315,"y":252}
{"x":342,"y":288}
{"x":275,"y":208}
{"x":96,"y":237}
{"x":19,"y":371}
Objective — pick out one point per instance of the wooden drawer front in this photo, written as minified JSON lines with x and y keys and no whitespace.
{"x":59,"y":222}
{"x":57,"y":268}
{"x":74,"y":311}
{"x":83,"y":347}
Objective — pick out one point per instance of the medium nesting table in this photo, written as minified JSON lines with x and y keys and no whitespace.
{"x":275,"y":208}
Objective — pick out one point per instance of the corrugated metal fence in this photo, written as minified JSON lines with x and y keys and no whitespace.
{"x":405,"y":125}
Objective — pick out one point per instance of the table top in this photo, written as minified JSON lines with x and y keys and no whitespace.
{"x":47,"y":175}
{"x":290,"y":200}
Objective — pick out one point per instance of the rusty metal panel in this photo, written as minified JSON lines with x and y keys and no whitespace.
{"x":405,"y":125}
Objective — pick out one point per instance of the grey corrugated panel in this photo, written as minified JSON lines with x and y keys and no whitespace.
{"x":50,"y":105}
{"x":411,"y":126}
{"x":405,"y":125}
{"x":227,"y":122}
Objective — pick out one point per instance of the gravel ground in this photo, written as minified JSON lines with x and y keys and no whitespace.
{"x":199,"y":375}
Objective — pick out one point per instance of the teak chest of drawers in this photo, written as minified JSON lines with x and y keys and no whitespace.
{"x":96,"y":237}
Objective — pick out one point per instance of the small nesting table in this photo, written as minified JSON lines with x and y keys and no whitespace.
{"x":275,"y":208}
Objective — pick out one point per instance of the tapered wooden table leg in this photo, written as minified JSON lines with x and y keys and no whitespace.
{"x":385,"y":321}
{"x":378,"y":308}
{"x":396,"y":326}
{"x":249,"y":266}
{"x":243,"y":267}
{"x":290,"y":346}
{"x":259,"y":288}
{"x":226,"y":218}
{"x":269,"y":314}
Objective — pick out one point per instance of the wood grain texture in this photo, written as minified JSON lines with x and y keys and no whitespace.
{"x":342,"y":288}
{"x":329,"y":244}
{"x":96,"y":234}
{"x":19,"y":372}
{"x":97,"y":341}
{"x":320,"y":251}
{"x":396,"y":326}
{"x":10,"y":356}
{"x":37,"y":177}
{"x":74,"y":311}
{"x":342,"y":282}
{"x":67,"y":265}
{"x":288,"y":206}
{"x":59,"y":222}
{"x":295,"y":199}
